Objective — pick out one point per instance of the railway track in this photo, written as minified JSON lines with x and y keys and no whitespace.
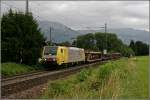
{"x":19,"y":83}
{"x":14,"y":79}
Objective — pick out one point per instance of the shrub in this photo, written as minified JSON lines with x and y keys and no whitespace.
{"x":58,"y":88}
{"x":83,"y":75}
{"x":95,"y":85}
{"x":105,"y":71}
{"x":10,"y":69}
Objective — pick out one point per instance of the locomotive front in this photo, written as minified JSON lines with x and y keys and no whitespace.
{"x":49,"y":55}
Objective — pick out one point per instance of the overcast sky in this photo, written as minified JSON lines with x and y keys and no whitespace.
{"x":81,"y":14}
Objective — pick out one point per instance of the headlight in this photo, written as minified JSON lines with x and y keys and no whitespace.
{"x":39,"y":59}
{"x":54,"y":59}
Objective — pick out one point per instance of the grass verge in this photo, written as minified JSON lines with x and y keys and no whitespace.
{"x":122,"y":79}
{"x":11,"y":69}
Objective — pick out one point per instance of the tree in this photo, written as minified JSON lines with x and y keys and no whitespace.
{"x":111,"y":44}
{"x":132,"y":44}
{"x":98,"y":41}
{"x":126,"y":51}
{"x":22,"y":40}
{"x":86,"y":41}
{"x":66,"y":43}
{"x":139,"y":48}
{"x":74,"y":42}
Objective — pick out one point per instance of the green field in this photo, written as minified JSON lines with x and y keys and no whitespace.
{"x":11,"y":69}
{"x":121,"y":79}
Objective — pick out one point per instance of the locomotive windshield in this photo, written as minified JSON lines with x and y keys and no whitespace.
{"x":50,"y":50}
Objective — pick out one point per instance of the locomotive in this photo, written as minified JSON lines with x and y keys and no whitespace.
{"x":60,"y":55}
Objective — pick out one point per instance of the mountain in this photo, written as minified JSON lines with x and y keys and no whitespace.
{"x":59,"y":32}
{"x":62,"y":33}
{"x":125,"y":34}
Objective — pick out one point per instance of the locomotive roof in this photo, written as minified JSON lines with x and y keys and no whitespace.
{"x":94,"y":52}
{"x":75,"y":48}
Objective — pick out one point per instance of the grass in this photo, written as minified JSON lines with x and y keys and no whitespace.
{"x":136,"y":85}
{"x":11,"y":69}
{"x":122,"y":79}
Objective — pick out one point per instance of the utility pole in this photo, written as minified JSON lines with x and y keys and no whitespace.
{"x":50,"y":37}
{"x":105,"y":50}
{"x":27,"y":6}
{"x":105,"y":27}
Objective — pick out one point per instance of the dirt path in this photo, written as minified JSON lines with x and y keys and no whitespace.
{"x":33,"y":93}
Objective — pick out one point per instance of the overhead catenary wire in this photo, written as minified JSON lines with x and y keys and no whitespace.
{"x":105,"y":31}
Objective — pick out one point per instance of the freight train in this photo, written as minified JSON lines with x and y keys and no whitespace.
{"x":61,"y":55}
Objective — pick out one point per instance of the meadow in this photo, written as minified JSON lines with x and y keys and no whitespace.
{"x":126,"y":78}
{"x":10,"y":69}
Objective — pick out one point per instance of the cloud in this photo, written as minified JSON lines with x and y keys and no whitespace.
{"x":80,"y":14}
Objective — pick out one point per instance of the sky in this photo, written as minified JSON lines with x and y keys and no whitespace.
{"x":79,"y":15}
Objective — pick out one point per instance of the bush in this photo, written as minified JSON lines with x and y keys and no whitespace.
{"x":58,"y":88}
{"x":95,"y":85}
{"x":11,"y":69}
{"x":84,"y":74}
{"x":105,"y":71}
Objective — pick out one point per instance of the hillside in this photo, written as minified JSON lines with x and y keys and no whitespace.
{"x":59,"y":33}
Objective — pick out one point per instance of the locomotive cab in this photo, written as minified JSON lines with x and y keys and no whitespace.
{"x":49,"y":54}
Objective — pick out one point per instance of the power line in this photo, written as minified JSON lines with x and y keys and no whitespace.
{"x":105,"y":29}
